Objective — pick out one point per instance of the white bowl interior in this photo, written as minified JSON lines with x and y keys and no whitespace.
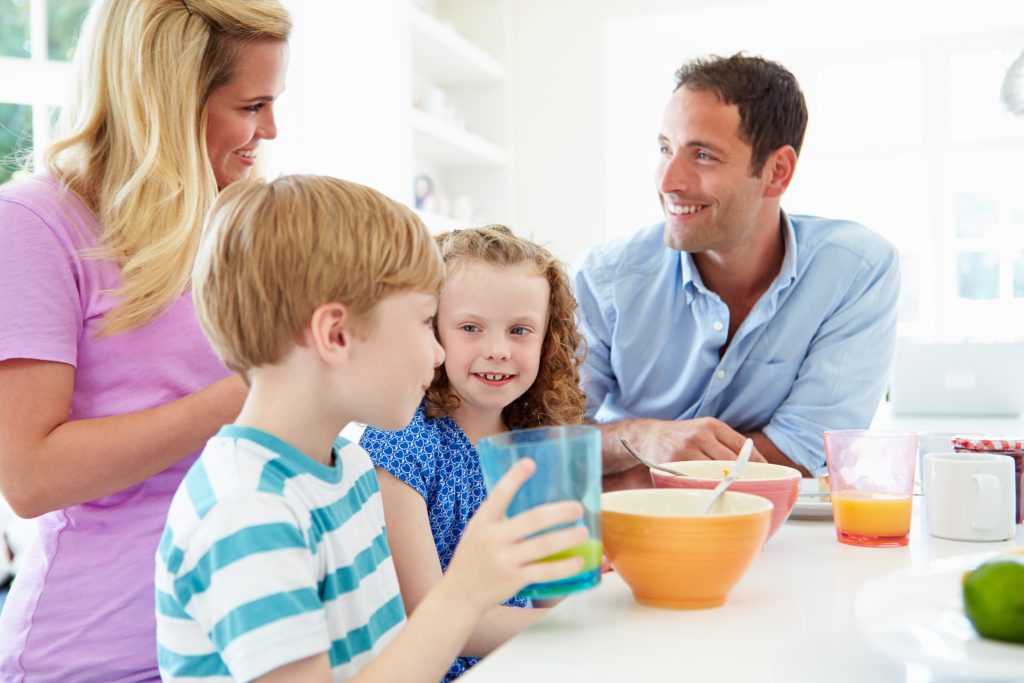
{"x":719,"y":469}
{"x":681,"y":503}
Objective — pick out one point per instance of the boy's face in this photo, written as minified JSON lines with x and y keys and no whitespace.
{"x":395,"y":359}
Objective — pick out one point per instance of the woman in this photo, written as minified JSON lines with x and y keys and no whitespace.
{"x":107,"y":386}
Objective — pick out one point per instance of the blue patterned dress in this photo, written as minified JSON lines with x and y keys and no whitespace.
{"x":435,"y":458}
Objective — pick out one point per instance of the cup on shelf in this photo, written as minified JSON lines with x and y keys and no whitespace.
{"x":970,"y":496}
{"x":871,"y":481}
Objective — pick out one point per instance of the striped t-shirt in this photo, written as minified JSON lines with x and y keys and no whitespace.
{"x":269,"y":557}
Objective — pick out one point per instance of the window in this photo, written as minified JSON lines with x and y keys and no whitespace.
{"x":907,"y":135}
{"x":37,"y":38}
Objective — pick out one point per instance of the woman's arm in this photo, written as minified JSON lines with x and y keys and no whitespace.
{"x":419,"y":569}
{"x":48,"y":462}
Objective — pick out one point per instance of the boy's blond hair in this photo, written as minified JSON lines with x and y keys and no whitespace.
{"x":275,"y":251}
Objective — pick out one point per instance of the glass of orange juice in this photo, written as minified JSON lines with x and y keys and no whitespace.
{"x":871,"y":479}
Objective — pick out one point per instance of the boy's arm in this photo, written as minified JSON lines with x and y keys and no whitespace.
{"x":419,"y":569}
{"x":497,"y":557}
{"x":315,"y":669}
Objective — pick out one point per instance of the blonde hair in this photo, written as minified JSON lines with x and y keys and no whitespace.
{"x":274,"y":252}
{"x":555,"y":396}
{"x":132,"y":143}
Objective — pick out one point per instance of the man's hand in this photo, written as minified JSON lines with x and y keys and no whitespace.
{"x":664,"y":441}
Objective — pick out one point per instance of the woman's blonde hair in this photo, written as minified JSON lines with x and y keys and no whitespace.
{"x":132,"y":142}
{"x":273,"y":252}
{"x":555,"y":396}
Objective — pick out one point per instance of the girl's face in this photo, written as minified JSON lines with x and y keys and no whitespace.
{"x":491,"y":321}
{"x":240,"y":113}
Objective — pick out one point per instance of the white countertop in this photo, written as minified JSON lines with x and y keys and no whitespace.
{"x":790,"y":618}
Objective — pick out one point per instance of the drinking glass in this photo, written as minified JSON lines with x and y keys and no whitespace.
{"x":871,"y":479}
{"x":568,"y":468}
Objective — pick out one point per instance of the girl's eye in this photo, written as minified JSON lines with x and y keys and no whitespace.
{"x":519,"y":331}
{"x":429,"y":322}
{"x":254,"y":108}
{"x":469,"y":328}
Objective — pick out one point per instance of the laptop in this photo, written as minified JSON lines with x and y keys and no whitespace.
{"x":957,"y":379}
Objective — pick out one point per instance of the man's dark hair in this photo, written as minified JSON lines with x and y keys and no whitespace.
{"x":773,"y":112}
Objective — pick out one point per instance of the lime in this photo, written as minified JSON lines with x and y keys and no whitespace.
{"x":994,"y":599}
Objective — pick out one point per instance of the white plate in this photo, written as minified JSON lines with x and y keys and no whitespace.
{"x":810,"y":507}
{"x":918,"y":616}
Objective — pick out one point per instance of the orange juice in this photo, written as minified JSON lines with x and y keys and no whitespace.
{"x":869,"y":518}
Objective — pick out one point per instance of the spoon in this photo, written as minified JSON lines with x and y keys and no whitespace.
{"x":734,"y":473}
{"x":645,"y":461}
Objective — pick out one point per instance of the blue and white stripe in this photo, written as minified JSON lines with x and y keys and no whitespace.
{"x":269,"y":557}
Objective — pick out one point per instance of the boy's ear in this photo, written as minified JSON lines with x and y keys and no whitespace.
{"x":330,"y":332}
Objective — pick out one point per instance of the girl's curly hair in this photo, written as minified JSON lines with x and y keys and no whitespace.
{"x":555,"y":396}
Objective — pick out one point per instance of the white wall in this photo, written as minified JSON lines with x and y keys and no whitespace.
{"x":343,"y":110}
{"x":583,"y":113}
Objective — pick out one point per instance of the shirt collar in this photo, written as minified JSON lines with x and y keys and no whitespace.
{"x":692,"y":282}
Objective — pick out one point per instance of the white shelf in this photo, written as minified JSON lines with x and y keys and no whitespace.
{"x":450,"y":146}
{"x":443,"y":56}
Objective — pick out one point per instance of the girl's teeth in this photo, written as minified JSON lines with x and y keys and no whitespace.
{"x":495,"y":378}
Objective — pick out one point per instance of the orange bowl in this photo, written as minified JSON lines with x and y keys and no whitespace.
{"x":673,"y":556}
{"x":777,"y":483}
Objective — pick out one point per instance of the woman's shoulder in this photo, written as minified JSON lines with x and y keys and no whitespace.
{"x":39,"y":200}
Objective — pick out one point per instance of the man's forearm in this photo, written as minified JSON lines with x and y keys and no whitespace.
{"x":614,"y":456}
{"x":772,"y":454}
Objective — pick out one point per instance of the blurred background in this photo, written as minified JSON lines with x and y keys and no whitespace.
{"x":543,"y":114}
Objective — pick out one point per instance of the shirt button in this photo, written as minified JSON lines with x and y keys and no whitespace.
{"x":717,"y":327}
{"x":720,"y":374}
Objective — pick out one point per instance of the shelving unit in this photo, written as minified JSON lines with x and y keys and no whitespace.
{"x":459,"y":113}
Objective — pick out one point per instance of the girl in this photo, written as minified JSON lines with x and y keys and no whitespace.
{"x":506,"y":321}
{"x":108,"y":387}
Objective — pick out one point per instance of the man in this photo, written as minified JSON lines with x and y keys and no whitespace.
{"x":732,"y":318}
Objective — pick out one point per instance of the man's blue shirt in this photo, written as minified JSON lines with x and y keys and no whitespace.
{"x":813,"y":353}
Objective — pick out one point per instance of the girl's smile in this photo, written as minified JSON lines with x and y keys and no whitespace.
{"x":492,"y":343}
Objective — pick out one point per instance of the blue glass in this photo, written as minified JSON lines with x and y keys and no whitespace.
{"x":568,"y":468}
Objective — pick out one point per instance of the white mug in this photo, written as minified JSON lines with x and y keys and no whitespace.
{"x":970,"y":496}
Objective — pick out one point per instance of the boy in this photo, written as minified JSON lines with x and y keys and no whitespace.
{"x":274,"y":564}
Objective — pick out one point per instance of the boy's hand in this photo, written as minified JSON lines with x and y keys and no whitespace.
{"x":493,"y":560}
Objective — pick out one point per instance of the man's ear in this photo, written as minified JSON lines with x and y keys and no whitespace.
{"x":778,"y":171}
{"x":330,"y":332}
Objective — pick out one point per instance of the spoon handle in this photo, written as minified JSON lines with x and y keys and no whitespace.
{"x":737,"y":469}
{"x":629,"y":449}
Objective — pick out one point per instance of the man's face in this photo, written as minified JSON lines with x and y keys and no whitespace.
{"x":710,"y":199}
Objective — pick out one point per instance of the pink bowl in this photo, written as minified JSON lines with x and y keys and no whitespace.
{"x":777,"y":483}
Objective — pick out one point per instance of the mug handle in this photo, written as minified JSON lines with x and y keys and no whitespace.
{"x":990,"y":501}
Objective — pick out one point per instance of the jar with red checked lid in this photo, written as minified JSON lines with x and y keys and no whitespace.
{"x":1000,"y":445}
